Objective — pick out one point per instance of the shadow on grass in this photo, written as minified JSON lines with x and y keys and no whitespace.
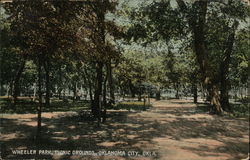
{"x":28,"y":106}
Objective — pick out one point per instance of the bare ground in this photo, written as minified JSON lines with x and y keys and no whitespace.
{"x":170,"y":130}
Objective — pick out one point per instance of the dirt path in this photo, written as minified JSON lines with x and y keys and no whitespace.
{"x":170,"y":130}
{"x":188,"y":134}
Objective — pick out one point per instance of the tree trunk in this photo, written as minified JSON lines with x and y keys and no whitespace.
{"x":158,"y":94}
{"x":74,"y":91}
{"x":224,"y":92}
{"x":104,"y":104}
{"x":100,"y":12}
{"x":34,"y":92}
{"x":60,"y":84}
{"x":16,"y":82}
{"x":39,"y":108}
{"x":47,"y":82}
{"x":105,"y":90}
{"x":110,"y":80}
{"x":88,"y":81}
{"x":139,"y":95}
{"x":132,"y":90}
{"x":216,"y":106}
{"x":90,"y":93}
{"x":8,"y":90}
{"x":177,"y":96}
{"x":224,"y":69}
{"x":248,"y":83}
{"x":98,"y":88}
{"x":197,"y":27}
{"x":1,"y":87}
{"x":195,"y":95}
{"x":202,"y":56}
{"x":60,"y":93}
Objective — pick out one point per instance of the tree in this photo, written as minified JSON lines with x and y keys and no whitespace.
{"x":162,"y":21}
{"x":95,"y":35}
{"x":39,"y":30}
{"x":197,"y":22}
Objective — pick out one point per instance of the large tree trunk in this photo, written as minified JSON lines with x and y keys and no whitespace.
{"x":224,"y":69}
{"x":39,"y":108}
{"x":197,"y":27}
{"x":100,"y":12}
{"x":215,"y":97}
{"x":98,"y":88}
{"x":16,"y":82}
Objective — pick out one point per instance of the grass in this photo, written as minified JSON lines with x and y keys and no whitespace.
{"x":28,"y":106}
{"x":25,"y":105}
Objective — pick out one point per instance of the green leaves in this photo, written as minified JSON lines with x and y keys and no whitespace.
{"x":155,"y":21}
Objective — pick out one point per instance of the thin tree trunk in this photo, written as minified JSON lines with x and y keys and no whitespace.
{"x":195,"y":95}
{"x":60,"y":84}
{"x":104,"y":105}
{"x":34,"y":92}
{"x":248,"y":83}
{"x":177,"y":96}
{"x":74,"y":91}
{"x":1,"y":87}
{"x":8,"y":90}
{"x":39,"y":108}
{"x":12,"y":88}
{"x":47,"y":82}
{"x":105,"y":90}
{"x":110,"y":80}
{"x":90,"y":93}
{"x":88,"y":81}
